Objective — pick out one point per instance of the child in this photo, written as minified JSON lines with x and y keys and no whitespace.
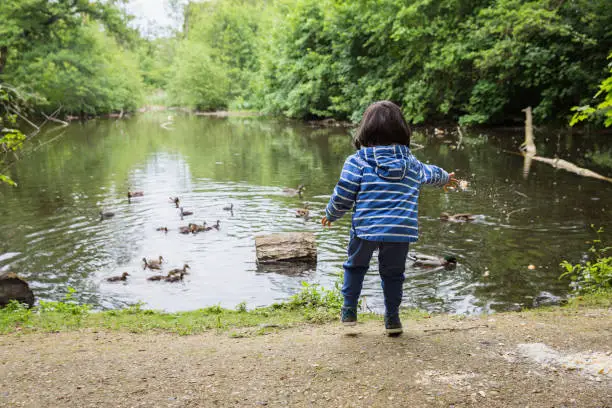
{"x":382,"y":181}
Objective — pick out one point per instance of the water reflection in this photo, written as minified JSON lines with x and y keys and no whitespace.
{"x":53,"y":236}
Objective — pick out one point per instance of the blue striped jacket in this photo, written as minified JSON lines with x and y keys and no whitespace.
{"x":383,"y":184}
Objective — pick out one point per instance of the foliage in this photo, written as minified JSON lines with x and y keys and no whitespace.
{"x":477,"y":61}
{"x":603,"y":109}
{"x":11,"y":138}
{"x":72,"y":53}
{"x":198,"y":81}
{"x":313,"y":304}
{"x":596,"y":274}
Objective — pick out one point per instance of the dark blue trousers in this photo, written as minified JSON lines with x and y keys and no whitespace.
{"x":391,"y":266}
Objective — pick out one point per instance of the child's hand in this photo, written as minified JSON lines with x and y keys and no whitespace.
{"x":325,"y":222}
{"x":452,"y":182}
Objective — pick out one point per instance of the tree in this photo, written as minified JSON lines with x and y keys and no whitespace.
{"x":603,"y":109}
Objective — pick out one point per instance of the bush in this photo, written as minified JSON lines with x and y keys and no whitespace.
{"x":596,"y":274}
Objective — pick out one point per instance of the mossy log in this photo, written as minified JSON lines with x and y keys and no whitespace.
{"x":286,"y":247}
{"x":12,"y":287}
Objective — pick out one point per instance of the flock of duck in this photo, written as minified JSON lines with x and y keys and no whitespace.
{"x":177,"y":274}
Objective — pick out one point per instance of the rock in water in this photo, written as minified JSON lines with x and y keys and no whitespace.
{"x":547,"y":299}
{"x":12,"y":287}
{"x":286,"y":247}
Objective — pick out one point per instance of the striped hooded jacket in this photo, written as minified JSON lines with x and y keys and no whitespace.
{"x":383,"y":184}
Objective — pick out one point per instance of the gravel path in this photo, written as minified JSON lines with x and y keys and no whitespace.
{"x":444,"y":361}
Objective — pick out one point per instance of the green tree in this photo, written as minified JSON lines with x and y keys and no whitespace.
{"x":603,"y":109}
{"x":198,"y":81}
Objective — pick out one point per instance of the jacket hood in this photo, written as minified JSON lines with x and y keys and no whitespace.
{"x":389,"y":162}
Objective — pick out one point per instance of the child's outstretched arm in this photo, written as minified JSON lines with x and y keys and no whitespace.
{"x":345,"y":193}
{"x":436,"y":176}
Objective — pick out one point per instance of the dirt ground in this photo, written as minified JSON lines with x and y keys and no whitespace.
{"x":553,"y":359}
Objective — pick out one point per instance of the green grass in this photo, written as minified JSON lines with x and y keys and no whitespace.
{"x":312,"y":305}
{"x":601,"y":298}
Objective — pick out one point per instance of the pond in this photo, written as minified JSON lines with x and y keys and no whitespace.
{"x":52,"y":234}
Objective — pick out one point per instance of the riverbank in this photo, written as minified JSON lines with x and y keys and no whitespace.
{"x":538,"y":358}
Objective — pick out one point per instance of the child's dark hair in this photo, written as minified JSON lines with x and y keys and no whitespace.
{"x":382,"y":124}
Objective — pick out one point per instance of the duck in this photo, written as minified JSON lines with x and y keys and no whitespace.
{"x":162,"y":229}
{"x":425,"y":261}
{"x":156,"y":277}
{"x":217,"y":225}
{"x":189,"y":229}
{"x":185,"y":213}
{"x":153,"y":263}
{"x":439,"y":132}
{"x":175,"y":278}
{"x":175,"y":200}
{"x":106,"y":215}
{"x":198,"y":228}
{"x":123,"y":277}
{"x":229,"y":207}
{"x":464,"y":217}
{"x":131,"y":194}
{"x":302,"y":212}
{"x":295,"y":192}
{"x":178,"y":271}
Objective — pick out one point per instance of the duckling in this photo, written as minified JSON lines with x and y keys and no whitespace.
{"x":439,"y":132}
{"x":156,"y":277}
{"x":123,"y":277}
{"x":302,"y":212}
{"x":295,"y":192}
{"x":176,"y":201}
{"x":177,"y":271}
{"x":153,"y":263}
{"x":106,"y":215}
{"x":185,"y":213}
{"x":132,"y":194}
{"x":425,"y":261}
{"x":229,"y":207}
{"x":189,"y":229}
{"x":175,"y":278}
{"x":162,"y":229}
{"x":464,"y":217}
{"x":217,"y":225}
{"x":202,"y":228}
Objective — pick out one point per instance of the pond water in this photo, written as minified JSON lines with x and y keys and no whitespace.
{"x":52,"y":234}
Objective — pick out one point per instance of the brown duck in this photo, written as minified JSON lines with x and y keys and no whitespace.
{"x":302,"y":212}
{"x":175,"y":278}
{"x":464,"y":217}
{"x":153,"y":263}
{"x":178,"y":271}
{"x":132,"y":194}
{"x":123,"y":277}
{"x":156,"y":277}
{"x":295,"y":191}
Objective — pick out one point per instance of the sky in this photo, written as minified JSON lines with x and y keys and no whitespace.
{"x":150,"y":10}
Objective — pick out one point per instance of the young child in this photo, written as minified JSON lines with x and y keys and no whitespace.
{"x":382,"y":181}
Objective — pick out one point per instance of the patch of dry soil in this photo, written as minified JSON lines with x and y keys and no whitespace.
{"x":439,"y":362}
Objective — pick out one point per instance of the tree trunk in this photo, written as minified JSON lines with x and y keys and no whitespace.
{"x":3,"y":57}
{"x":286,"y":247}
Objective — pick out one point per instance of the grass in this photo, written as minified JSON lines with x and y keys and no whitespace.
{"x":312,"y":305}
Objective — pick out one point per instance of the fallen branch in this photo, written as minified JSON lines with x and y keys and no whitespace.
{"x":572,"y":168}
{"x":460,"y":137}
{"x":52,"y":119}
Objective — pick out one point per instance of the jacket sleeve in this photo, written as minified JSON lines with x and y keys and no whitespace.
{"x":345,"y":193}
{"x":433,"y":175}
